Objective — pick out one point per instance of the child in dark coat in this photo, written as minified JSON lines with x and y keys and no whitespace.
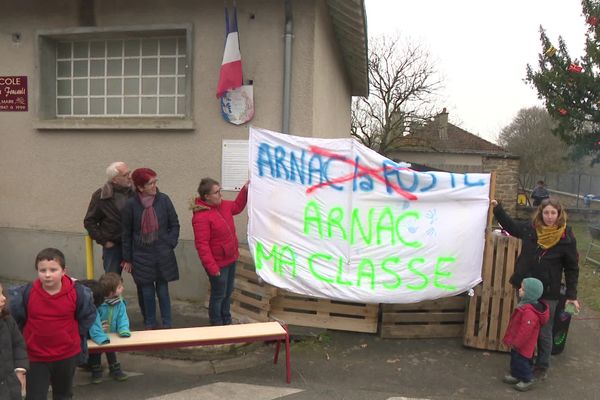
{"x":522,"y":333}
{"x":13,"y":355}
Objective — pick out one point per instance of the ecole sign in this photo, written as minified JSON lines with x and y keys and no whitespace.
{"x":13,"y":93}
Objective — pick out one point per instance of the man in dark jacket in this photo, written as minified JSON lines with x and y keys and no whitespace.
{"x":103,"y":217}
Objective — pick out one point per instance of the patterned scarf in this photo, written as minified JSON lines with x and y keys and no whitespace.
{"x":112,"y":301}
{"x":548,"y":236}
{"x":149,"y":220}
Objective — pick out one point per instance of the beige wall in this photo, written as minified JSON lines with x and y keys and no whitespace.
{"x":48,"y":175}
{"x":445,"y":161}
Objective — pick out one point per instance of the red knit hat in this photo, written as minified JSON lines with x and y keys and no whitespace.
{"x":141,"y":176}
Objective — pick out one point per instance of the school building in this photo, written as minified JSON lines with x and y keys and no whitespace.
{"x":88,"y":82}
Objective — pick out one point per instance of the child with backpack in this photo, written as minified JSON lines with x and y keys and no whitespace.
{"x":55,"y":314}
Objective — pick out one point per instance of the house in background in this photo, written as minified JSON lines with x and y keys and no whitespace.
{"x":135,"y":81}
{"x":442,"y":145}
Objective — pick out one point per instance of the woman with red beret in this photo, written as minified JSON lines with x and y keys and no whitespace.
{"x":150,"y":235}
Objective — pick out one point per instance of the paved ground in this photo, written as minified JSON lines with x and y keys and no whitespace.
{"x":342,"y":365}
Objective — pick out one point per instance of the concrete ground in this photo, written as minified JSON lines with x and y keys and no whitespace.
{"x":330,"y":364}
{"x":343,"y":365}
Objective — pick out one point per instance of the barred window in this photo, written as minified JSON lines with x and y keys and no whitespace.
{"x":121,"y":77}
{"x":128,"y":77}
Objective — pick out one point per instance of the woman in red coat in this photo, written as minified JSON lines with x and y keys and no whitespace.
{"x":217,"y":244}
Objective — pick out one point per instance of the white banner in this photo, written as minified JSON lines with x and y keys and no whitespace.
{"x":332,"y":218}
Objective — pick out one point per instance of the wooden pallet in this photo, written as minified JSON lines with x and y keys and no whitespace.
{"x":489,"y":310}
{"x":302,"y":310}
{"x":441,"y":318}
{"x":251,"y":298}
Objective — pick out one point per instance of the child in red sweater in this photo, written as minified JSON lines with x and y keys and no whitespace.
{"x":522,"y":333}
{"x":55,"y":314}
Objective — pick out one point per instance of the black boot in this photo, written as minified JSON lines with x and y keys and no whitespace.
{"x":117,"y":373}
{"x":96,"y":373}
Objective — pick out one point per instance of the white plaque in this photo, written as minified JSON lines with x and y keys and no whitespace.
{"x":234,"y":164}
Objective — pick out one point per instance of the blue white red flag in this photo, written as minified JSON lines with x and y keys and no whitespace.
{"x":231,"y":68}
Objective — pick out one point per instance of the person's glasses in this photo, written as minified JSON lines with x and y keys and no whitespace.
{"x":151,"y":183}
{"x":217,"y":192}
{"x":125,"y":174}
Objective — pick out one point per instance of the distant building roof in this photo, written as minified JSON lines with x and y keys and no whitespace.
{"x":440,"y":136}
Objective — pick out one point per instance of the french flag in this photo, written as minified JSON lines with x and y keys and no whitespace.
{"x":230,"y":76}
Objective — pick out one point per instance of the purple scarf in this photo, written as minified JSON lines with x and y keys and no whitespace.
{"x":149,"y":220}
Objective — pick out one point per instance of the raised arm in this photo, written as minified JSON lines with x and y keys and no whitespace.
{"x":508,"y":224}
{"x":240,"y":201}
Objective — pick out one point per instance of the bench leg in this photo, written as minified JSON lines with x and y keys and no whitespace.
{"x":277,"y":347}
{"x":288,"y":364}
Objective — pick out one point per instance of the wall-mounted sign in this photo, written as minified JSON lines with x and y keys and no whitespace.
{"x":13,"y":93}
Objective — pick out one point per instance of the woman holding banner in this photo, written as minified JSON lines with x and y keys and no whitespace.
{"x":217,"y":244}
{"x":548,"y":251}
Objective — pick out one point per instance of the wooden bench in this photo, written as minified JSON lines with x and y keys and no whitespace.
{"x":201,"y":336}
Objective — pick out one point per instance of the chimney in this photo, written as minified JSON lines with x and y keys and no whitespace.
{"x":442,"y":124}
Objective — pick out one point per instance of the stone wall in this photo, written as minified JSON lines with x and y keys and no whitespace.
{"x":507,"y":180}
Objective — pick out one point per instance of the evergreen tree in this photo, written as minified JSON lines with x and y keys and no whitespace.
{"x":570,"y":88}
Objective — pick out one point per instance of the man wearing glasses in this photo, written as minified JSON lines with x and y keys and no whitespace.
{"x":103,"y":217}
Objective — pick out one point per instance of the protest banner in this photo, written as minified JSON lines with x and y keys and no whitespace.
{"x":332,"y":218}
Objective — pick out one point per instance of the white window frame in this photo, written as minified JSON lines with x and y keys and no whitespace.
{"x":47,"y":100}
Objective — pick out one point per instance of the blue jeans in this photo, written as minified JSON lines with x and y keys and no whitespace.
{"x":221,"y":287}
{"x":111,"y":260}
{"x":521,"y":367}
{"x":544,"y":345}
{"x":160,"y":289}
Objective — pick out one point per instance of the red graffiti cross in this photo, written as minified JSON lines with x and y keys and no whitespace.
{"x":373,"y":172}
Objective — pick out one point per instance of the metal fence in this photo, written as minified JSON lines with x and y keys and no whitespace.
{"x":579,"y":184}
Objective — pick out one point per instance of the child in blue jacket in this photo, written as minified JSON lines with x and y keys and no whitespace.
{"x":111,"y":317}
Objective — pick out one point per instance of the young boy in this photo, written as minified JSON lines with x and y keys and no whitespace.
{"x":522,"y":333}
{"x":112,"y":317}
{"x":55,"y":314}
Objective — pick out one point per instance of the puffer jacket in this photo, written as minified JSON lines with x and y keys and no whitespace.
{"x":12,"y":355}
{"x":214,"y":231}
{"x":546,"y":265}
{"x":155,"y":260}
{"x":116,"y":317}
{"x":524,"y":327}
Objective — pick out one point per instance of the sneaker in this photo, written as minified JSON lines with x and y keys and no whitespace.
{"x":96,"y":374}
{"x":511,"y":380}
{"x":525,"y":386}
{"x":117,"y":373}
{"x":540,"y":373}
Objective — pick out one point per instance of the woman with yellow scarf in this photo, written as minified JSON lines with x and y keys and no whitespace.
{"x":548,"y":251}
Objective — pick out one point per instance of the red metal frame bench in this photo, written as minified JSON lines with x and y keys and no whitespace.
{"x":202,"y":336}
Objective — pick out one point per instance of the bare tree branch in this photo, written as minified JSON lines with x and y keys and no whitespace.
{"x":403,"y":90}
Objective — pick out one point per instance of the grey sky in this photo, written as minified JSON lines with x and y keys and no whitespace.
{"x":481,"y":48}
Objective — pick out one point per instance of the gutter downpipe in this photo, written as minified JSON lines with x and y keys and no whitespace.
{"x":287,"y":67}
